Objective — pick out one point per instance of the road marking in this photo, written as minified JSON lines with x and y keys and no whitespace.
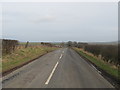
{"x":61,"y":56}
{"x":48,"y":80}
{"x":99,"y":72}
{"x":94,"y":68}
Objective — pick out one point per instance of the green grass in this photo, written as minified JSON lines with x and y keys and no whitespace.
{"x":107,"y":67}
{"x":22,"y":55}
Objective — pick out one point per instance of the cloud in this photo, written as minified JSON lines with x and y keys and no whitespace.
{"x":61,"y":21}
{"x":46,"y":18}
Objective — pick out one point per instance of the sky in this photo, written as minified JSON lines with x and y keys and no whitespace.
{"x":60,"y":21}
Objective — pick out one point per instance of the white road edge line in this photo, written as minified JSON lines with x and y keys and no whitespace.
{"x":48,"y":80}
{"x":61,"y":56}
{"x":96,"y":69}
{"x":99,"y":72}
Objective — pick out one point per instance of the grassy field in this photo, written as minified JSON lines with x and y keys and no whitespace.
{"x":22,"y":55}
{"x":100,"y":63}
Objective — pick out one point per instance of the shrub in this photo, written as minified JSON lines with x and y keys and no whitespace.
{"x":8,"y":46}
{"x":108,"y":52}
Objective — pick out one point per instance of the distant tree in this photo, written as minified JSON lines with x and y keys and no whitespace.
{"x":69,"y":44}
{"x":47,"y":44}
{"x":62,"y":44}
{"x":82,"y":45}
{"x":75,"y":44}
{"x":42,"y":43}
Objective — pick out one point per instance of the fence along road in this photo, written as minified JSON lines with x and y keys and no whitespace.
{"x":62,"y":68}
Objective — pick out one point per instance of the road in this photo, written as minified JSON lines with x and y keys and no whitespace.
{"x":62,"y":68}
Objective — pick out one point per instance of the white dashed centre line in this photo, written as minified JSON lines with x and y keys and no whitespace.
{"x":51,"y":74}
{"x":48,"y":80}
{"x":61,"y":56}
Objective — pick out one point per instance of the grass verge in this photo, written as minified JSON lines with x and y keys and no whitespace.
{"x":23,"y":55}
{"x":106,"y":67}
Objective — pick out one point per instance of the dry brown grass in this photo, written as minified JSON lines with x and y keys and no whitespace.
{"x":22,"y":55}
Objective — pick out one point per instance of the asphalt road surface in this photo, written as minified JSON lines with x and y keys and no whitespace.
{"x":62,"y":68}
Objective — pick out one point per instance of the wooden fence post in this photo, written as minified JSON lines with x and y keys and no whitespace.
{"x":26,"y":45}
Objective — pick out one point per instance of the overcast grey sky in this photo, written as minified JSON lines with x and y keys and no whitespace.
{"x":91,"y":22}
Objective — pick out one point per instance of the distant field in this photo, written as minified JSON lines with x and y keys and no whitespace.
{"x":30,"y":43}
{"x":22,"y":55}
{"x":111,"y":69}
